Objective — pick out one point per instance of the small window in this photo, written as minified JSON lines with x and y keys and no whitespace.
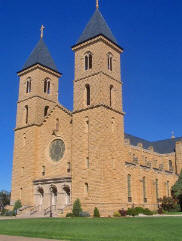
{"x":22,"y":171}
{"x":47,"y":86}
{"x":109,"y":61}
{"x":87,"y":162}
{"x":170,"y":165}
{"x":28,"y":85}
{"x":88,"y":61}
{"x":111,"y":95}
{"x":57,"y":124}
{"x":43,"y":170}
{"x":46,"y":110}
{"x":157,"y":189}
{"x":144,"y":190}
{"x":86,"y":188}
{"x":69,"y":167}
{"x":129,"y":188}
{"x":87,"y":94}
{"x":26,"y":114}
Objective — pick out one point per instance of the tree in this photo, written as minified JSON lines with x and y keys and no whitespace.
{"x":96,"y":213}
{"x":177,"y":190}
{"x":77,"y":208}
{"x":4,"y":199}
{"x":167,"y":203}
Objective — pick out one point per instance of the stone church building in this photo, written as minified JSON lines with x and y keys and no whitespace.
{"x":61,"y":155}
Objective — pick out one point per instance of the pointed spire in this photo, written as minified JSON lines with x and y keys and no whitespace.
{"x":95,"y":27}
{"x":42,"y":31}
{"x":41,"y":55}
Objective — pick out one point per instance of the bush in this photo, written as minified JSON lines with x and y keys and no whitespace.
{"x":84,"y":214}
{"x":17,"y":205}
{"x":77,"y":208}
{"x":132,"y":212}
{"x":168,"y":203}
{"x":160,"y":211}
{"x":96,"y":213}
{"x":116,"y":215}
{"x":123,"y":212}
{"x":69,"y":215}
{"x":147,"y":211}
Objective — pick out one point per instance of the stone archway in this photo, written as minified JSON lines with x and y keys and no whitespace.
{"x":66,"y":190}
{"x":53,"y":196}
{"x":40,"y":196}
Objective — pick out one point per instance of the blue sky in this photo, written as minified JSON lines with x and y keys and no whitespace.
{"x":148,"y":30}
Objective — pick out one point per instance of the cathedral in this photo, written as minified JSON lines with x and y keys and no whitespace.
{"x":61,"y":155}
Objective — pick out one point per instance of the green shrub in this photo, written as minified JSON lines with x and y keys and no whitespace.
{"x":116,"y":215}
{"x":96,"y":213}
{"x":84,"y":214}
{"x":69,"y":215}
{"x":132,"y":212}
{"x":139,"y":210}
{"x":147,"y":211}
{"x":77,"y":208}
{"x":17,"y":205}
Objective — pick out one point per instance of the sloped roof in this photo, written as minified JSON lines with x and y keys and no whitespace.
{"x":40,"y":55}
{"x":162,"y":146}
{"x":96,"y":26}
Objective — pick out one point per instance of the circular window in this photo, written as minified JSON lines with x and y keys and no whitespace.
{"x":56,"y":150}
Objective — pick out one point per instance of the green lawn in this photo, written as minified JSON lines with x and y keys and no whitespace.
{"x":89,"y":229}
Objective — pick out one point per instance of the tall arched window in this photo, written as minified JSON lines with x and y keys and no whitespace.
{"x":109,"y":61}
{"x":47,"y":86}
{"x":167,"y":189}
{"x":88,"y":61}
{"x":86,"y":188}
{"x":28,"y":85}
{"x":170,"y":165}
{"x":129,"y":188}
{"x":46,"y":110}
{"x":157,"y":189}
{"x":111,"y":95}
{"x":26,"y":114}
{"x":144,"y":190}
{"x":87,"y":94}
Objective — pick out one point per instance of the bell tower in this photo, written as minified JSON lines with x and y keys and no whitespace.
{"x":38,"y":94}
{"x":98,"y":132}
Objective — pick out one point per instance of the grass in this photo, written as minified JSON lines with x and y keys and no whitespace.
{"x":103,"y":229}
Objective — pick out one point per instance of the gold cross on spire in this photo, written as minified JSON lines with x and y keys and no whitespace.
{"x":97,"y":4}
{"x":42,"y":31}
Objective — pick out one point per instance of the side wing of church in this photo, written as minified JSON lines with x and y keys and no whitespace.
{"x":61,"y":155}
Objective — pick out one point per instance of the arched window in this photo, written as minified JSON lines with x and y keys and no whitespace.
{"x":157,"y":189}
{"x":88,"y":61}
{"x":43,"y":170}
{"x":46,"y":110}
{"x":26,"y":114}
{"x":144,"y":190}
{"x":47,"y":86}
{"x":28,"y":85}
{"x":170,"y":165}
{"x":129,"y":188}
{"x":167,"y":189}
{"x":111,"y":95}
{"x":109,"y":61}
{"x":87,"y":94}
{"x":87,"y":162}
{"x":86,"y":188}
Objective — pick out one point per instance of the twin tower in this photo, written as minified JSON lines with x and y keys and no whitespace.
{"x":61,"y":155}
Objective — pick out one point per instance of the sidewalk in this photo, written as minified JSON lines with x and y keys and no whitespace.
{"x":17,"y":238}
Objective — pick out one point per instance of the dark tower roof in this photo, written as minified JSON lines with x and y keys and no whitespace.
{"x":96,"y":26}
{"x":41,"y":55}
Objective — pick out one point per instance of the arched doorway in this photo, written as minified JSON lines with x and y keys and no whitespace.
{"x":67,"y":194}
{"x":53,"y":196}
{"x":40,"y":196}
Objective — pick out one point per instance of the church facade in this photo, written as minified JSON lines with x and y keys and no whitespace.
{"x":61,"y":155}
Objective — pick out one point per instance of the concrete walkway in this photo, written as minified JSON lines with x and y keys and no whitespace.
{"x":17,"y":238}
